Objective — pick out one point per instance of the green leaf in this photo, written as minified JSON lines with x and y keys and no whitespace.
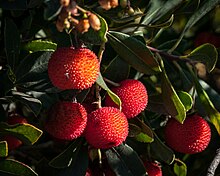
{"x":158,"y":9}
{"x":3,"y":149}
{"x":96,"y":37}
{"x":170,"y":99}
{"x":122,"y":158}
{"x":12,"y":43}
{"x":206,"y":53}
{"x":186,"y":99}
{"x":134,"y":52}
{"x":180,"y":168}
{"x":32,"y":103}
{"x":165,"y":154}
{"x":40,"y":45}
{"x":52,"y":9}
{"x":100,"y":81}
{"x":15,"y":167}
{"x":209,"y":108}
{"x":117,"y":70}
{"x":31,"y":67}
{"x":27,"y":133}
{"x":68,"y":156}
{"x":146,"y":134}
{"x":205,"y":8}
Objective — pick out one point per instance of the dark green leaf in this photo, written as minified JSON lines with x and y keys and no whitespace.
{"x":205,"y":8}
{"x":159,"y":9}
{"x":180,"y":168}
{"x":12,"y":166}
{"x":40,"y":45}
{"x":170,"y":99}
{"x":134,"y":130}
{"x":3,"y":149}
{"x":12,"y":43}
{"x":14,"y":5}
{"x":27,"y":133}
{"x":52,"y":9}
{"x":186,"y":99}
{"x":146,"y":134}
{"x":32,"y":103}
{"x":2,"y":114}
{"x":122,"y":158}
{"x":206,"y":53}
{"x":103,"y":85}
{"x":117,"y":70}
{"x":134,"y":52}
{"x":31,"y":68}
{"x":165,"y":154}
{"x":68,"y":156}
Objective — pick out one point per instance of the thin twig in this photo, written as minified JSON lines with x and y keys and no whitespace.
{"x":214,"y":164}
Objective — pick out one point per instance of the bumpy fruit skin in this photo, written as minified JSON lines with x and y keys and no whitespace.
{"x":12,"y":141}
{"x":66,"y":120}
{"x":193,"y":136}
{"x":153,"y":169}
{"x":107,"y":127}
{"x":70,"y":68}
{"x":133,"y":95}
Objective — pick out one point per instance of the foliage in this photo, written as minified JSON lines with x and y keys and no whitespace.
{"x":154,"y":44}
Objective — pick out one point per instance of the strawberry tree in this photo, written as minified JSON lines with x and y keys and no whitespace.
{"x":109,"y":87}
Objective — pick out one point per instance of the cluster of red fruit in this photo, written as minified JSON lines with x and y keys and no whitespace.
{"x":69,"y":18}
{"x":105,"y":127}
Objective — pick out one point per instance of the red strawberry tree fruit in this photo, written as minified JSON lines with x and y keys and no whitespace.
{"x":109,"y":87}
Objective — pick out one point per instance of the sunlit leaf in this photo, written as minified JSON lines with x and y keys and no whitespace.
{"x":134,"y":52}
{"x":180,"y":168}
{"x":40,"y":45}
{"x":186,"y":99}
{"x":27,"y":133}
{"x":14,"y":167}
{"x":3,"y":149}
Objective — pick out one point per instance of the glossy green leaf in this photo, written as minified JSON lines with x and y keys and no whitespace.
{"x":27,"y":133}
{"x":206,"y":53}
{"x":180,"y":168}
{"x":134,"y":52}
{"x":117,"y":70}
{"x":96,"y":37}
{"x":158,"y":9}
{"x":171,"y":101}
{"x":203,"y":10}
{"x":68,"y":156}
{"x":3,"y":149}
{"x":209,"y":108}
{"x":14,"y":167}
{"x":100,"y":81}
{"x":122,"y":158}
{"x":186,"y":99}
{"x":30,"y":102}
{"x":40,"y":45}
{"x":52,"y":9}
{"x":165,"y":154}
{"x":12,"y":43}
{"x":134,"y":130}
{"x":146,"y":134}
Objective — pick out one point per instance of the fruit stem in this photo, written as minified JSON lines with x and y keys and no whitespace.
{"x":101,"y":51}
{"x":100,"y":157}
{"x":214,"y":164}
{"x":81,"y":9}
{"x":111,"y":82}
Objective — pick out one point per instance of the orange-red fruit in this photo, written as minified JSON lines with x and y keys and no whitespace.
{"x":107,"y":127}
{"x":12,"y":141}
{"x":133,"y":95}
{"x":67,"y":120}
{"x":153,"y":169}
{"x":191,"y":137}
{"x":71,"y":68}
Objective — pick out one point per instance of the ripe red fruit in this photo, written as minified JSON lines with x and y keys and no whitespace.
{"x":71,"y":68}
{"x":67,"y":120}
{"x":106,"y":127}
{"x":133,"y":95}
{"x":153,"y":169}
{"x":12,"y":141}
{"x":191,"y":137}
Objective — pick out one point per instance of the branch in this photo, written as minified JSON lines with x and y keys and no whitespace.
{"x":214,"y":164}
